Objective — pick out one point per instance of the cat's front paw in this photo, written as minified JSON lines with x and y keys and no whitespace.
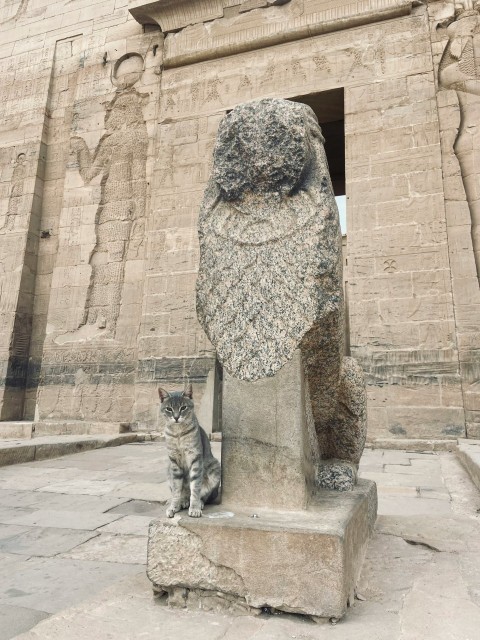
{"x":195,"y":510}
{"x":171,"y":511}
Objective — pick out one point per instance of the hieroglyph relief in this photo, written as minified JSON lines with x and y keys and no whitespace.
{"x":460,"y":70}
{"x":120,"y":157}
{"x":16,"y":194}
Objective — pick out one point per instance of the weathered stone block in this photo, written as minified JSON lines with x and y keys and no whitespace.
{"x":246,"y":555}
{"x":268,"y":442}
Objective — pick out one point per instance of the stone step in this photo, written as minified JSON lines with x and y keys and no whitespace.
{"x":412,"y":444}
{"x":468,"y":452}
{"x":16,"y":451}
{"x":33,"y":429}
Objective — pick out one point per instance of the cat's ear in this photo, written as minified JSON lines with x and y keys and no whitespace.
{"x":188,"y":391}
{"x":162,"y":394}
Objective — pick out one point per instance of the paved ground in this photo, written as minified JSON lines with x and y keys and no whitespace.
{"x":73,"y":540}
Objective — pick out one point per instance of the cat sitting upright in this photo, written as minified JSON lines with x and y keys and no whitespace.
{"x":193,"y":472}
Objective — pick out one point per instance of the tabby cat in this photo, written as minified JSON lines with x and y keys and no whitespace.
{"x":193,"y":472}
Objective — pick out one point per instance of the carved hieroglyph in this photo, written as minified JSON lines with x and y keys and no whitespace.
{"x":460,"y":70}
{"x":270,"y":277}
{"x":120,"y":158}
{"x":16,"y":193}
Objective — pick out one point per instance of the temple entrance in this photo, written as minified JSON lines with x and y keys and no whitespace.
{"x":329,"y":109}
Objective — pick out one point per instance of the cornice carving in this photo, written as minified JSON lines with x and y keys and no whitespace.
{"x":199,"y":30}
{"x":172,"y":15}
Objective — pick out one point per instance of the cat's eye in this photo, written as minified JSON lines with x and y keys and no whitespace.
{"x":183,"y":408}
{"x":169,"y":409}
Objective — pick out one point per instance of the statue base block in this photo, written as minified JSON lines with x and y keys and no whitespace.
{"x":244,"y":560}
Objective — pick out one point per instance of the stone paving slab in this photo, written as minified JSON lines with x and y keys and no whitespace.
{"x":7,"y":559}
{"x":15,"y":620}
{"x":452,"y":534}
{"x":158,"y":492}
{"x":409,"y":492}
{"x":155,"y":478}
{"x":441,"y":591}
{"x":85,"y":520}
{"x":129,"y":525}
{"x":30,"y":482}
{"x":53,"y":584}
{"x":79,"y":486}
{"x":40,"y":541}
{"x":128,"y":549}
{"x":412,"y":468}
{"x":434,"y":494}
{"x":405,"y":479}
{"x":8,"y":515}
{"x":58,"y":501}
{"x":140,"y":507}
{"x":400,"y":456}
{"x":400,"y":506}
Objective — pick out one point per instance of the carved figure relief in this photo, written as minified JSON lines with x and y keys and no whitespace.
{"x":460,"y":70}
{"x":120,"y":158}
{"x":16,"y":194}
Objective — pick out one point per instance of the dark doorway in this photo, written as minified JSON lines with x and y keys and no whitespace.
{"x":329,"y":108}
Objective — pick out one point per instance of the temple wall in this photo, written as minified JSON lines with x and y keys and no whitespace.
{"x":97,"y":274}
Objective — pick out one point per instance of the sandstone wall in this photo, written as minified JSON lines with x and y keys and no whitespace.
{"x":64,"y":67}
{"x":101,"y":184}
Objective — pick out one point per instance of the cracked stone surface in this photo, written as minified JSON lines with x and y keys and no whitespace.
{"x":407,"y":590}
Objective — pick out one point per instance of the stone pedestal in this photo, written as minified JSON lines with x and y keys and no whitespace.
{"x":268,"y":441}
{"x":304,"y":562}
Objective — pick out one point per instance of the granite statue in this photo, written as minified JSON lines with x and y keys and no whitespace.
{"x":270,"y":276}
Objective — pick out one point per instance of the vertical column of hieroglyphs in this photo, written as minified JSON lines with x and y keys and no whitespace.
{"x":401,"y":310}
{"x":456,"y":43}
{"x":89,"y":354}
{"x":25,"y":70}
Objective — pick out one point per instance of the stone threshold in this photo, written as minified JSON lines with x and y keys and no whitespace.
{"x":33,"y":429}
{"x":416,"y":445}
{"x":468,"y":452}
{"x":16,"y":451}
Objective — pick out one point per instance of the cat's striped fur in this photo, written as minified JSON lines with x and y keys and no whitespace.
{"x":193,"y":472}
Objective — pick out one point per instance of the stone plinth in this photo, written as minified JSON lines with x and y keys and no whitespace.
{"x":304,"y":562}
{"x":268,"y":440}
